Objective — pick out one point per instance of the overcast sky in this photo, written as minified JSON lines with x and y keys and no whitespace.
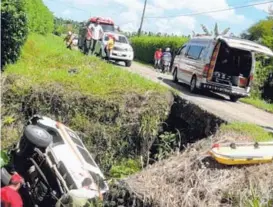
{"x":127,"y":13}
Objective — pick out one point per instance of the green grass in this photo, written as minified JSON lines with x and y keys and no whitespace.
{"x":45,"y":59}
{"x":253,"y":131}
{"x":261,"y":104}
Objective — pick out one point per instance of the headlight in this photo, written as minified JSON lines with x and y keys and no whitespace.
{"x":130,"y":49}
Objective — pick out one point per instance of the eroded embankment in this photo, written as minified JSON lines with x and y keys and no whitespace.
{"x":115,"y":130}
{"x":112,"y":129}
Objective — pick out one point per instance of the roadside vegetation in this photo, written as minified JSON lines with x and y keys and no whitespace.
{"x":261,"y":94}
{"x":248,"y":131}
{"x":145,"y":46}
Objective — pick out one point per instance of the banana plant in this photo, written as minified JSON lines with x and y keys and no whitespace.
{"x":216,"y":30}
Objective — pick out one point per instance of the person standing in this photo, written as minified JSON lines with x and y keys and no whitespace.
{"x":97,"y":34}
{"x":69,"y":39}
{"x":157,"y":58}
{"x":9,"y":194}
{"x":110,"y":46}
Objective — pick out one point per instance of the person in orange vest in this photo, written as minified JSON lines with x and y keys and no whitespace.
{"x":9,"y":194}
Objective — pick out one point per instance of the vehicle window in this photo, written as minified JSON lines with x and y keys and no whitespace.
{"x":74,"y":137}
{"x":86,"y":156}
{"x":107,"y":27}
{"x":183,"y":50}
{"x":194,"y":52}
{"x":56,"y":137}
{"x":122,"y":39}
{"x":98,"y":179}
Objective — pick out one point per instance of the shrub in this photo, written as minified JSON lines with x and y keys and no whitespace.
{"x":145,"y":46}
{"x":40,"y":18}
{"x":261,"y":81}
{"x":13,"y":30}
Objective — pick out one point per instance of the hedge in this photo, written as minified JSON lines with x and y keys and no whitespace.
{"x":18,"y":17}
{"x":145,"y":46}
{"x":40,"y":18}
{"x":13,"y":30}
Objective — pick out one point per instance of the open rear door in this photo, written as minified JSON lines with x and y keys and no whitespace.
{"x":246,"y":45}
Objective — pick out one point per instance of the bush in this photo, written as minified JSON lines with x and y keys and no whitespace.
{"x":40,"y":18}
{"x":145,"y":46}
{"x":261,"y":83}
{"x":13,"y":30}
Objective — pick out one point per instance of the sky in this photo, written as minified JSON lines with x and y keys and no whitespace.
{"x":127,"y":13}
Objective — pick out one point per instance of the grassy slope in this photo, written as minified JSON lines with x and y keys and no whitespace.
{"x":100,"y":101}
{"x":249,"y":130}
{"x":45,"y":59}
{"x":259,"y":103}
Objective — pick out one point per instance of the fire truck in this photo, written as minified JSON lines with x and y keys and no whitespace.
{"x":107,"y":25}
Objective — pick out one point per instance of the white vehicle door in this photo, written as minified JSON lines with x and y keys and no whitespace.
{"x":179,"y":61}
{"x":192,"y":62}
{"x":246,"y":45}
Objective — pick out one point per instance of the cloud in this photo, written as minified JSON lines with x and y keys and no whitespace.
{"x":66,"y":12}
{"x":178,"y":25}
{"x":80,"y":3}
{"x":127,"y":13}
{"x":196,"y":6}
{"x":264,"y":7}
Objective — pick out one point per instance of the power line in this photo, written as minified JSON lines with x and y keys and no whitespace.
{"x":208,"y":12}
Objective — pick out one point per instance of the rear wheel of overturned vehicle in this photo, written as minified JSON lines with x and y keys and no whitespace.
{"x":34,"y":136}
{"x":175,"y":79}
{"x":193,"y":87}
{"x":234,"y":98}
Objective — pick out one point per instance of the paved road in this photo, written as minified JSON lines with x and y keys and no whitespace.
{"x":214,"y":103}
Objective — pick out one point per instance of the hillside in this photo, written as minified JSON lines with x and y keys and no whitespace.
{"x":111,"y":108}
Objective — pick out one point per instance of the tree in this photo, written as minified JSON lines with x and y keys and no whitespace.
{"x":262,"y":31}
{"x":13,"y":30}
{"x":216,"y":30}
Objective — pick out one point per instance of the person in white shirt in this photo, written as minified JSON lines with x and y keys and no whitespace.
{"x":80,"y":197}
{"x":97,"y":34}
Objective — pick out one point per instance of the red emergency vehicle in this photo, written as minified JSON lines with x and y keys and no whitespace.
{"x":107,"y":25}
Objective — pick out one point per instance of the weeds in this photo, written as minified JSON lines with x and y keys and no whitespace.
{"x":259,"y":103}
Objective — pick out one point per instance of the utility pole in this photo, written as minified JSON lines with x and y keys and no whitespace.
{"x":143,"y":13}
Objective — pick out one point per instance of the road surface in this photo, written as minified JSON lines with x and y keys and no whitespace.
{"x":214,"y":103}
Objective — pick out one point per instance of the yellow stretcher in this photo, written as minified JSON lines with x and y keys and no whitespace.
{"x":242,"y":153}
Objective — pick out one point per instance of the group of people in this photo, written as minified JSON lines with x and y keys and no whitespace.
{"x":95,"y":31}
{"x":159,"y":56}
{"x":85,"y":196}
{"x":93,"y":35}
